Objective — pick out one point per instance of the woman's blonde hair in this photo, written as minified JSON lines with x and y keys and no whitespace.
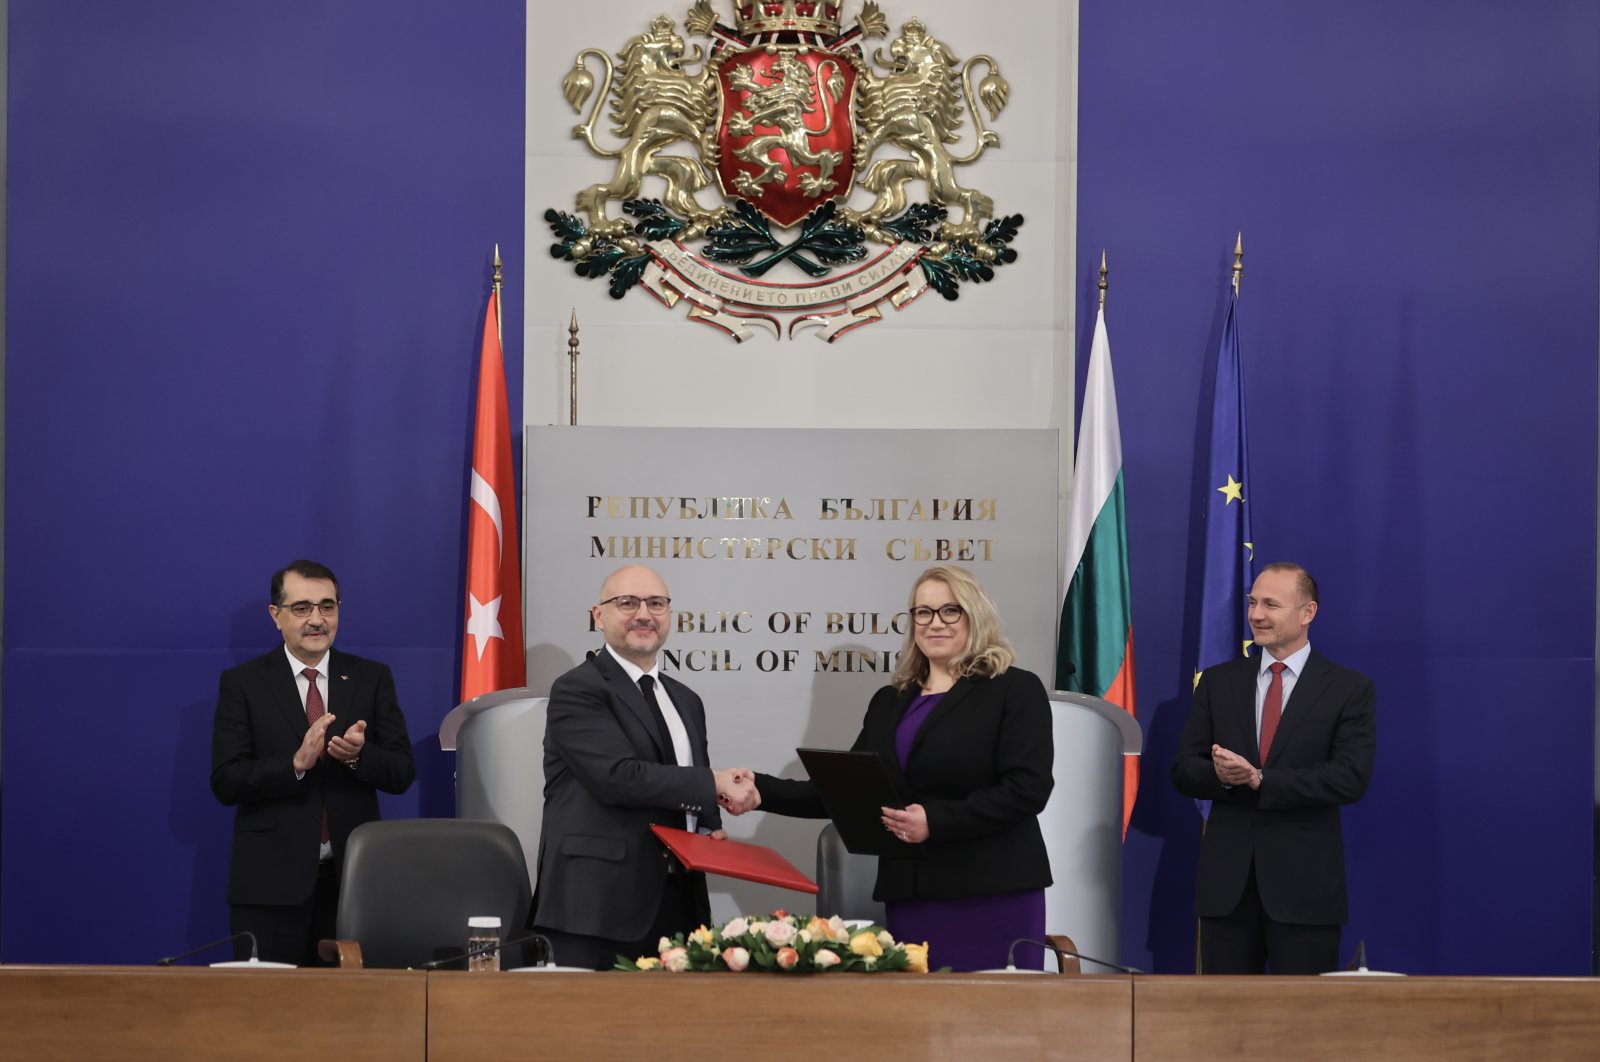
{"x":987,"y":653}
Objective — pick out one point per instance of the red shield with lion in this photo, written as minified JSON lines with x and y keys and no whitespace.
{"x":784,"y":131}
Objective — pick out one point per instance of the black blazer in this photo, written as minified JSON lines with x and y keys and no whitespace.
{"x":1321,"y":757}
{"x":981,"y":765}
{"x":601,"y":871}
{"x":258,"y":727}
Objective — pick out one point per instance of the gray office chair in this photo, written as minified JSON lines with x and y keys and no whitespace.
{"x":410,"y":885}
{"x":845,"y":881}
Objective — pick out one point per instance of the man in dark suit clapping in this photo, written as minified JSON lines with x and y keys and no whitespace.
{"x":625,"y":747}
{"x":1277,"y":742}
{"x":302,"y":741}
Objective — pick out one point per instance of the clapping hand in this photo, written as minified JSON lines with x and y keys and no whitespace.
{"x":1232,"y":768}
{"x":346,"y":748}
{"x":311,"y":746}
{"x":736,"y":790}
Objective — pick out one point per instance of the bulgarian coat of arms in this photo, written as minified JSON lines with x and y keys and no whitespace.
{"x":786,"y":115}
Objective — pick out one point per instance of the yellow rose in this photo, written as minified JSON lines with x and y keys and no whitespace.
{"x":703,"y":937}
{"x":866,"y":945}
{"x":917,"y":957}
{"x":647,"y":962}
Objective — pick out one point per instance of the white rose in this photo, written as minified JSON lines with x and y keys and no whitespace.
{"x":780,"y":933}
{"x":825,"y":958}
{"x":736,"y":928}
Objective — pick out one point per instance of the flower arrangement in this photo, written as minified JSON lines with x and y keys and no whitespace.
{"x":783,"y":943}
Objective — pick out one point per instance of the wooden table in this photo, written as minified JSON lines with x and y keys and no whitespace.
{"x":769,"y":1016}
{"x":1418,"y":1019}
{"x":182,"y":1013}
{"x":177,"y":1013}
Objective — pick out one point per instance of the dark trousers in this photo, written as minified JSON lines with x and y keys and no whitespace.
{"x":676,"y":914}
{"x":1246,"y":941}
{"x":290,"y":933}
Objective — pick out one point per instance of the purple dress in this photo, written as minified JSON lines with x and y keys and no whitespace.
{"x":974,"y":933}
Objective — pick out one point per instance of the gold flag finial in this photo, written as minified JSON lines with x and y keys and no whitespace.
{"x":1238,"y":262}
{"x":1104,"y":272}
{"x":572,"y":358}
{"x":499,"y":311}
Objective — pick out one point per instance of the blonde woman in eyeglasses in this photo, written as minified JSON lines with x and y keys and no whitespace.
{"x":967,"y":735}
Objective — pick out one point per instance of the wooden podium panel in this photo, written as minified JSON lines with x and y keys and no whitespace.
{"x":184,"y":1012}
{"x":1340,"y":1018}
{"x":472,"y":1017}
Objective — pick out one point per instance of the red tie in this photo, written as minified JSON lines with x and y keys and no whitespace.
{"x":1271,"y":709}
{"x":315,"y":711}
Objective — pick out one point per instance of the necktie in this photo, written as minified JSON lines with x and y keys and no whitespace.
{"x":1271,"y":708}
{"x":647,"y":686}
{"x":315,"y":711}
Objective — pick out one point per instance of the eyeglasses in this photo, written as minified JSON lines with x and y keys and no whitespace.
{"x":629,"y":603}
{"x":302,"y":609}
{"x":922,"y":615}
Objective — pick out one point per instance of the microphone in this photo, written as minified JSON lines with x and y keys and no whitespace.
{"x":1011,"y":956}
{"x":1359,"y":962}
{"x":486,"y":949}
{"x":170,"y":959}
{"x":1066,"y":667}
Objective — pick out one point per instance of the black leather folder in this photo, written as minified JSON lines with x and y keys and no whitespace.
{"x":855,"y":787}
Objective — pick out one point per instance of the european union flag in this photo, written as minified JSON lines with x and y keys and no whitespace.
{"x":1229,"y":546}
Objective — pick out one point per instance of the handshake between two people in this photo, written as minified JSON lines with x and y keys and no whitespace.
{"x":736,"y":790}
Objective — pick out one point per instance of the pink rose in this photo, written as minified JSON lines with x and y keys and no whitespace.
{"x":675,"y":959}
{"x":736,"y":959}
{"x":736,"y":928}
{"x":825,"y":958}
{"x":780,"y":933}
{"x":787,"y":957}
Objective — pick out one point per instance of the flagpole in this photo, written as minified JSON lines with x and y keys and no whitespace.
{"x":1103,"y":274}
{"x":499,"y":328}
{"x":1238,"y":262}
{"x":572,"y":357}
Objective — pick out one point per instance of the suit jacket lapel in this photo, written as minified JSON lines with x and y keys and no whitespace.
{"x":947,"y":704}
{"x":285,"y":693}
{"x":691,"y":721}
{"x":631,"y":697}
{"x":1235,"y":701}
{"x":338,"y":695}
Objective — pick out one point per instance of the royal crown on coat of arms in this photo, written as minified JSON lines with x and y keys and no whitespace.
{"x":787,"y":117}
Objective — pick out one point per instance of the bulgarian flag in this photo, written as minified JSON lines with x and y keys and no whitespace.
{"x":491,"y":651}
{"x":1097,"y":610}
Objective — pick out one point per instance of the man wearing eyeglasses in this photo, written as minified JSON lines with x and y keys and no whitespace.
{"x":624,"y":748}
{"x":302,"y":741}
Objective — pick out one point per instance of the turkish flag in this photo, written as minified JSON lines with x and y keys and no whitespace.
{"x":491,"y":651}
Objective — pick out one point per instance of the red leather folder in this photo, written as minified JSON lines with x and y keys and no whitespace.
{"x":734,"y":859}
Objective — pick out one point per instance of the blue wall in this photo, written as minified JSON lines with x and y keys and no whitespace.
{"x":1417,"y":187}
{"x":248,"y":256}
